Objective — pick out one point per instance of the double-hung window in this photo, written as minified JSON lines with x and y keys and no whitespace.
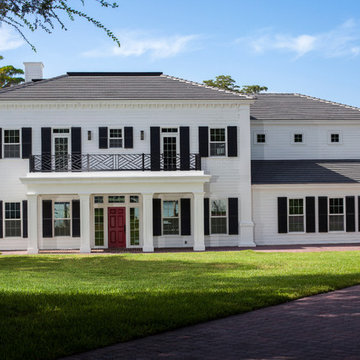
{"x":336,"y":214}
{"x":115,"y":138}
{"x":217,"y":142}
{"x":12,"y":219}
{"x":62,"y":218}
{"x":296,"y":215}
{"x":218,"y":217}
{"x":170,"y":217}
{"x":11,"y":143}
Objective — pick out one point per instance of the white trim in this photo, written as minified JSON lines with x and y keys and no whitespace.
{"x":343,"y":214}
{"x":218,"y":216}
{"x":292,"y":215}
{"x":260,"y":132}
{"x":20,"y":143}
{"x":218,"y":142}
{"x":338,"y":132}
{"x":292,"y":139}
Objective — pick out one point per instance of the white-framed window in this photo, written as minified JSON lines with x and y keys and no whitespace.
{"x":116,"y":138}
{"x":298,"y":138}
{"x":217,"y":142}
{"x":296,"y":217}
{"x":11,"y":143}
{"x":336,"y":214}
{"x":99,"y":226}
{"x":62,"y":218}
{"x":260,"y":137}
{"x":12,"y":219}
{"x":114,"y":199}
{"x":134,"y":226}
{"x":170,"y":217}
{"x":218,"y":216}
{"x":334,"y":137}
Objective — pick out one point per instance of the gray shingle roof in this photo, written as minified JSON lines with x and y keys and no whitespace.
{"x":305,"y":171}
{"x":116,"y":86}
{"x":279,"y":106}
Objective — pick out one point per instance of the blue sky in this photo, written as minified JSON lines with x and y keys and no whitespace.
{"x":304,"y":46}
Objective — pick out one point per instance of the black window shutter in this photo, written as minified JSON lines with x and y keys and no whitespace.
{"x":76,"y":218}
{"x":46,"y":149}
{"x":206,"y":216}
{"x":26,"y":139}
{"x":323,"y":213}
{"x":350,"y":213}
{"x":232,"y":141}
{"x":25,"y":218}
{"x":128,"y":133}
{"x":185,"y":217}
{"x":47,"y":218}
{"x":1,"y":219}
{"x":310,"y":214}
{"x":282,"y":215}
{"x":156,"y":217}
{"x":155,"y":148}
{"x":203,"y":141}
{"x":184,"y":148}
{"x":76,"y":148}
{"x":0,"y":143}
{"x":233,"y":205}
{"x":103,"y":137}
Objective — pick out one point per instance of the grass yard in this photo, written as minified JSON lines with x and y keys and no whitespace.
{"x":56,"y":305}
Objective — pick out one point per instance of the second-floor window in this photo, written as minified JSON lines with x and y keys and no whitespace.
{"x":11,"y":143}
{"x":217,"y":142}
{"x":115,"y":138}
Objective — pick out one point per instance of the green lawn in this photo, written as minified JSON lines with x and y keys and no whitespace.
{"x":53,"y":305}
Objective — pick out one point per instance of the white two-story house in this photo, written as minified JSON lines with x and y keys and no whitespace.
{"x":123,"y":160}
{"x":145,"y":160}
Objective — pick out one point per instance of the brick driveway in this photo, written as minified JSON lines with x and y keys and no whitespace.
{"x":325,"y":326}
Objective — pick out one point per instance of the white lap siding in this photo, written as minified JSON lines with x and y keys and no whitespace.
{"x":265,"y":213}
{"x":316,"y":145}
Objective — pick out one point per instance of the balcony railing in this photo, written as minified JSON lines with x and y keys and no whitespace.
{"x":113,"y":162}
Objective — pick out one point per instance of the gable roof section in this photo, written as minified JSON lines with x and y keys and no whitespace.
{"x":116,"y":86}
{"x":305,"y":171}
{"x":279,"y":106}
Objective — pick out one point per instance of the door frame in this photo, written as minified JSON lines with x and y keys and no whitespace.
{"x":60,"y":135}
{"x":169,"y":134}
{"x":124,"y":218}
{"x":105,"y":205}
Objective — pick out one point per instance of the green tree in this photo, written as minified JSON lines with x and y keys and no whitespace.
{"x":253,"y":89}
{"x":8,"y":75}
{"x":45,"y":14}
{"x":226,"y":82}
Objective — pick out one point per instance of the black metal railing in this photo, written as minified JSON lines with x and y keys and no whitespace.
{"x":113,"y":162}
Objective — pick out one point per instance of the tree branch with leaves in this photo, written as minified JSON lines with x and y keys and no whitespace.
{"x":8,"y":75}
{"x":46,"y":14}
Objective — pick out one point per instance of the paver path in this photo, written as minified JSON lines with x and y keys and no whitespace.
{"x":325,"y":326}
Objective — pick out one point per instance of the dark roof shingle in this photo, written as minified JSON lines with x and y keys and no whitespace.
{"x":116,"y":86}
{"x":305,"y":171}
{"x":278,"y":106}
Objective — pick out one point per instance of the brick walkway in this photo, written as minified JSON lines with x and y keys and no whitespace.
{"x":325,"y":326}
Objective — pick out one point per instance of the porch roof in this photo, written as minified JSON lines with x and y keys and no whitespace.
{"x":115,"y":182}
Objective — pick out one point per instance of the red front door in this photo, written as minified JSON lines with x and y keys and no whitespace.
{"x":116,"y":227}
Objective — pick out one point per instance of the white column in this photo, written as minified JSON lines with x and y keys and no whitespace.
{"x":147,"y":221}
{"x":246,"y":224}
{"x":85,"y":227}
{"x":33,"y":245}
{"x":199,"y":239}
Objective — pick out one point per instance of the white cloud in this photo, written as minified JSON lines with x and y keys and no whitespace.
{"x":9,"y":40}
{"x":344,"y":40}
{"x":137,"y":43}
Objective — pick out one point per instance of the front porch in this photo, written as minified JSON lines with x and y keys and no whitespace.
{"x":115,"y":211}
